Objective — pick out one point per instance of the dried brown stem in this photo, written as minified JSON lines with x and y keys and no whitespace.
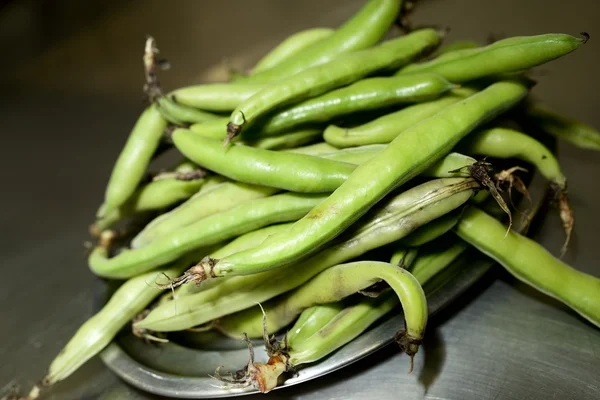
{"x":145,"y":334}
{"x":408,"y":345}
{"x":482,"y":172}
{"x":197,"y":274}
{"x":561,"y":200}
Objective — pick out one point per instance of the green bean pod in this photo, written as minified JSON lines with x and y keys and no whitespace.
{"x":334,"y":284}
{"x":322,"y":78}
{"x":288,"y":171}
{"x":129,"y":300}
{"x":363,"y":30}
{"x":433,"y":230}
{"x":180,"y":114}
{"x":504,"y":56}
{"x":433,"y":259}
{"x":392,"y":220}
{"x":214,"y":228}
{"x":531,"y":263}
{"x":312,"y":320}
{"x":290,"y":47}
{"x":131,"y":165}
{"x":385,"y":129}
{"x":364,"y":95}
{"x":216,"y":97}
{"x":218,"y":198}
{"x":404,"y":158}
{"x":565,"y":128}
{"x":156,"y":195}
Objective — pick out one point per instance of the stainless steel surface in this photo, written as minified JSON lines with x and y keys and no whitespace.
{"x":65,"y":110}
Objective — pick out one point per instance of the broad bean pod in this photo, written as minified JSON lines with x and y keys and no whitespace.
{"x":504,"y":56}
{"x":288,"y":171}
{"x":363,"y":30}
{"x":220,"y":197}
{"x":434,"y":258}
{"x":180,"y":114}
{"x":565,"y":128}
{"x":156,"y":195}
{"x":364,"y":95}
{"x":342,"y":71}
{"x":290,"y":46}
{"x":433,"y":230}
{"x":404,"y":158}
{"x":395,"y":218}
{"x":215,"y":228}
{"x":312,"y":320}
{"x":128,"y":300}
{"x":216,"y":97}
{"x":529,"y":262}
{"x":385,"y":128}
{"x":133,"y":160}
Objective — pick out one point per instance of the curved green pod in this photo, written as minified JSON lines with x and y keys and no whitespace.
{"x":334,"y":284}
{"x":288,"y":171}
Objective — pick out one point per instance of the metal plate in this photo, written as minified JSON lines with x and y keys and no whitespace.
{"x":178,"y":371}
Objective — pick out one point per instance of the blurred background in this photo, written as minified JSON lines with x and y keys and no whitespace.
{"x":70,"y":79}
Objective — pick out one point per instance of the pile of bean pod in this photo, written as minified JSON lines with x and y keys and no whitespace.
{"x":328,"y":184}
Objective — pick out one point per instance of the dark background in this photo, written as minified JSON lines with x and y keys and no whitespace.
{"x":70,"y":80}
